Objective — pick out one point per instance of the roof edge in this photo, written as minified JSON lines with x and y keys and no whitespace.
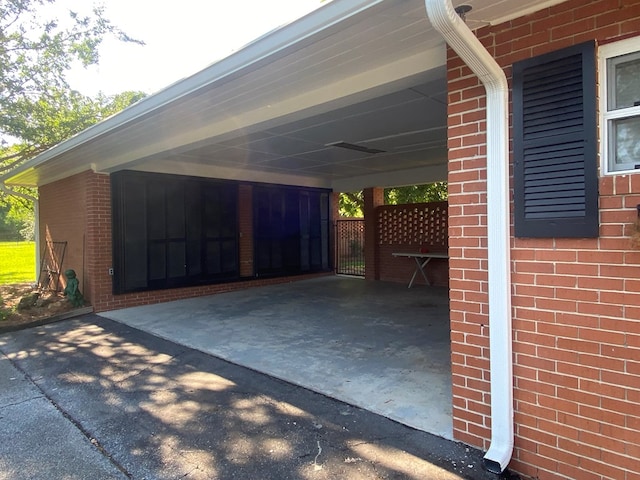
{"x":263,"y":47}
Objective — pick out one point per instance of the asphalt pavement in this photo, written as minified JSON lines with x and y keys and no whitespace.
{"x":90,"y":398}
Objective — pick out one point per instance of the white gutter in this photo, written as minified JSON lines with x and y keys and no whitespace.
{"x":462,"y":40}
{"x":36,"y":211}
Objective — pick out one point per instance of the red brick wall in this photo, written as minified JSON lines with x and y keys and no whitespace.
{"x":99,"y":246}
{"x":409,"y":228}
{"x":373,"y":197}
{"x":245,"y":223}
{"x":63,"y":219}
{"x":576,"y":303}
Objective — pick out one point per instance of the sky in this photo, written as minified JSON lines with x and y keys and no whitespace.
{"x":182,"y":37}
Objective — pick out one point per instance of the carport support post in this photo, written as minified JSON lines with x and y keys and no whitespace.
{"x":373,"y":198}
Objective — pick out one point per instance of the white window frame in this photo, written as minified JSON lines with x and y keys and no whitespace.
{"x":605,"y":52}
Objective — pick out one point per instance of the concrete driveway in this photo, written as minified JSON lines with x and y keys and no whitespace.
{"x":377,"y":345}
{"x":93,"y":398}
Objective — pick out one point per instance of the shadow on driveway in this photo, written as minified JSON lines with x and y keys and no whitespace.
{"x":159,"y":410}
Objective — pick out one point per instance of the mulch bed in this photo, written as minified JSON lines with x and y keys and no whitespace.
{"x":24,"y":306}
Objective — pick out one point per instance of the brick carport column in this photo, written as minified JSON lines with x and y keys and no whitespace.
{"x":373,"y":198}
{"x":245,"y":220}
{"x":98,"y":282}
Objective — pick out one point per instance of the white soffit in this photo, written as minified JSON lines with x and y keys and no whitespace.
{"x":368,"y":73}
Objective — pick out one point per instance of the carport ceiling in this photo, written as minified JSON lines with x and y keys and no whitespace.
{"x":402,"y":130}
{"x":352,"y":95}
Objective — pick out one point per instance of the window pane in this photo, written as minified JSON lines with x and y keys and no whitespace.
{"x":626,"y":134}
{"x":625,"y":78}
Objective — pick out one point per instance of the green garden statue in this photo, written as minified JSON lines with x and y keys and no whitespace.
{"x":71,"y":291}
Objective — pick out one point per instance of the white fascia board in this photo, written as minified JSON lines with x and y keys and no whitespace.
{"x":266,"y":46}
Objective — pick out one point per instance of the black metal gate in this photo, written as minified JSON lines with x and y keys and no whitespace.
{"x":350,"y":247}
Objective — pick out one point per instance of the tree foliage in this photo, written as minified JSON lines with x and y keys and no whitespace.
{"x":37,"y":107}
{"x":431,"y":192}
{"x":35,"y":54}
{"x":43,"y":123}
{"x":352,"y":204}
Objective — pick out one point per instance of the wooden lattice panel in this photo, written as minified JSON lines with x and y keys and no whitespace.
{"x":415,"y":224}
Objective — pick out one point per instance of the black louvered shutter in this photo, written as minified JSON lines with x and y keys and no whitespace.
{"x":555,"y":144}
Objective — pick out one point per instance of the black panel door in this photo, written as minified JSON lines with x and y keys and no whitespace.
{"x":291,"y":230}
{"x":171,"y":231}
{"x":269,"y":230}
{"x":220,"y":226}
{"x":132,"y":268}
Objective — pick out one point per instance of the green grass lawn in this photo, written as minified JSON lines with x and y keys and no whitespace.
{"x":17,"y":262}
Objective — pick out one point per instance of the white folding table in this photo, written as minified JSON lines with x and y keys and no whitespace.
{"x":422,"y":259}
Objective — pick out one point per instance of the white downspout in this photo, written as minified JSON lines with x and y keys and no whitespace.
{"x":461,"y":39}
{"x":36,"y":211}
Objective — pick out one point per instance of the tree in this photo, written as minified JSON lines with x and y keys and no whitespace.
{"x":37,"y":107}
{"x":352,"y":204}
{"x":9,"y":226}
{"x":35,"y":54}
{"x":430,"y":192}
{"x":40,"y":124}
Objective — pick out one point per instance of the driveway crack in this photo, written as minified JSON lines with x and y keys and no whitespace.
{"x":21,"y":402}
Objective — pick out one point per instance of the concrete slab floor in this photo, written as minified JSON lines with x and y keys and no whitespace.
{"x":376,"y":345}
